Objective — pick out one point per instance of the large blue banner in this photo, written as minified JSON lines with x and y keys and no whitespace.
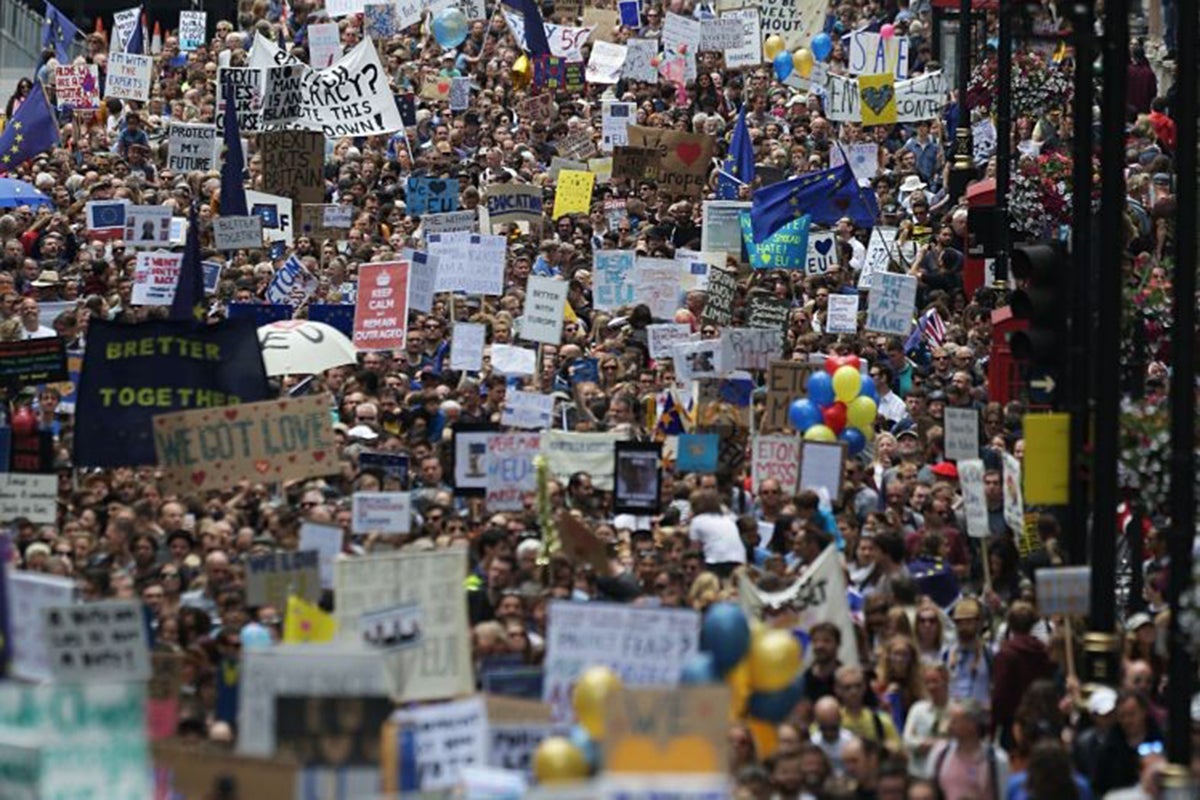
{"x":133,"y":372}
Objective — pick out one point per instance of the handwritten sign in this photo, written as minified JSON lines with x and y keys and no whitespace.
{"x":129,"y":76}
{"x":155,"y":276}
{"x":33,"y":497}
{"x":104,"y":641}
{"x":842,"y":314}
{"x":238,"y":233}
{"x":531,"y":410}
{"x":274,"y":440}
{"x":786,"y":381}
{"x":444,"y":739}
{"x":612,"y":278}
{"x":776,"y":458}
{"x":293,"y":164}
{"x":432,"y":195}
{"x":962,"y":433}
{"x":29,"y":593}
{"x":191,"y":147}
{"x":970,"y":478}
{"x":663,"y":338}
{"x":891,"y":302}
{"x":722,"y":290}
{"x":77,"y":86}
{"x":381,"y":512}
{"x":271,"y":577}
{"x":511,"y":476}
{"x":822,"y":252}
{"x":193,"y":27}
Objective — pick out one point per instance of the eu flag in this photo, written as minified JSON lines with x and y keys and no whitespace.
{"x":137,"y":38}
{"x":233,"y":170}
{"x":535,"y":27}
{"x":189,"y":292}
{"x":739,"y":166}
{"x":59,"y":32}
{"x":32,"y":131}
{"x":825,"y":196}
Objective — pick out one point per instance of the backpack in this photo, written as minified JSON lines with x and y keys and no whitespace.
{"x":993,"y":770}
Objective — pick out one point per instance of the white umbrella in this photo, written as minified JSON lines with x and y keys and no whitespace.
{"x":302,"y":347}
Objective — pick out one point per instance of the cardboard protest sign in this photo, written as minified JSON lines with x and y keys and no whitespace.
{"x":28,"y":595}
{"x":193,"y":27}
{"x":192,"y":147}
{"x":441,"y":665}
{"x":28,"y":495}
{"x":381,"y":512}
{"x":645,"y":646}
{"x":276,"y":440}
{"x":748,"y":51}
{"x":513,"y":202}
{"x":511,"y":478}
{"x":100,"y":641}
{"x":915,"y":99}
{"x":155,"y":277}
{"x":890,"y":303}
{"x":77,"y":86}
{"x":33,"y":361}
{"x":878,"y":93}
{"x":786,"y":381}
{"x":640,"y":55}
{"x":293,"y":164}
{"x":684,"y":158}
{"x":466,"y":346}
{"x":469,"y":263}
{"x":822,"y":252}
{"x":132,"y":373}
{"x":573,"y":193}
{"x":970,"y":478}
{"x":527,"y":409}
{"x":961,"y":433}
{"x":283,"y":98}
{"x":393,"y":628}
{"x":444,"y":739}
{"x":238,"y":233}
{"x":797,"y":21}
{"x":842,"y":314}
{"x":581,"y":544}
{"x":656,"y":282}
{"x":568,"y":452}
{"x":128,"y":76}
{"x":1064,"y":590}
{"x":869,"y":53}
{"x":681,"y":730}
{"x":271,"y":577}
{"x":381,"y":314}
{"x":432,"y":195}
{"x":545,"y":303}
{"x":776,"y":457}
{"x":192,"y":771}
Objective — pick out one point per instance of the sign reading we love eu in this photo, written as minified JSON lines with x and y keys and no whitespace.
{"x":275,"y":440}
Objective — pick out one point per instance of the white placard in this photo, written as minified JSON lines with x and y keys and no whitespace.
{"x":509,"y":359}
{"x":821,"y":466}
{"x":842,"y":314}
{"x":891,"y":303}
{"x":247,"y":85}
{"x":639,"y":57}
{"x":283,"y":98}
{"x":919,"y":98}
{"x":615,"y":120}
{"x":276,"y":214}
{"x":470,"y":263}
{"x":388,"y":513}
{"x":753,"y":348}
{"x":394,"y":628}
{"x":450,"y":222}
{"x":569,"y":452}
{"x":238,"y":233}
{"x":147,"y":226}
{"x":446,"y":738}
{"x":511,"y":478}
{"x":612,"y":278}
{"x":778,"y":458}
{"x":645,"y":646}
{"x":155,"y":276}
{"x":863,"y":158}
{"x":1014,"y":503}
{"x":29,"y":593}
{"x":344,"y":8}
{"x":28,"y":495}
{"x":193,"y":26}
{"x":656,"y":283}
{"x":531,"y":410}
{"x":327,"y":541}
{"x":324,"y":43}
{"x":466,"y":346}
{"x":721,"y":34}
{"x":605,"y":63}
{"x":663,"y":337}
{"x":749,"y":52}
{"x":822,"y":252}
{"x":970,"y":478}
{"x":292,"y":283}
{"x":708,"y":358}
{"x":192,"y":147}
{"x":98,"y":642}
{"x":545,"y":304}
{"x":962,"y":433}
{"x":871,"y":54}
{"x":422,"y":277}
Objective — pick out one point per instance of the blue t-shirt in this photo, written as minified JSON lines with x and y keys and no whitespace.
{"x":1017,"y":790}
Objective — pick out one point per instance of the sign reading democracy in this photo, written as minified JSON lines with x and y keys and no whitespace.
{"x":275,"y":440}
{"x":130,"y":373}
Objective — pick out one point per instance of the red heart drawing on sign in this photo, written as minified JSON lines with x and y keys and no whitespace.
{"x":319,"y":455}
{"x":198,"y":477}
{"x":231,"y":414}
{"x":263,"y":466}
{"x":688,"y":152}
{"x":443,"y":87}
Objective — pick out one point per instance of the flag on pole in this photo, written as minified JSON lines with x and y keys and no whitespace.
{"x":189,"y":292}
{"x":739,"y":166}
{"x":59,"y":32}
{"x":233,"y":169}
{"x":32,"y":131}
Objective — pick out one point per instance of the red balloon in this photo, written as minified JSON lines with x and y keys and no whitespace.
{"x":835,"y":416}
{"x":831,"y":364}
{"x":852,"y":361}
{"x":23,"y":421}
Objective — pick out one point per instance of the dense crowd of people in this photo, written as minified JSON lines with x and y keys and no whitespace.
{"x":962,"y":689}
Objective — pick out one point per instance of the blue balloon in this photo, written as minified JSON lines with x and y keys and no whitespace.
{"x":783,"y":65}
{"x":255,"y":637}
{"x":868,"y":388}
{"x":701,"y":668}
{"x":775,"y":706}
{"x":725,"y":634}
{"x":854,"y":440}
{"x":803,"y":413}
{"x":821,"y":46}
{"x":450,"y":27}
{"x":587,"y":745}
{"x":820,"y":388}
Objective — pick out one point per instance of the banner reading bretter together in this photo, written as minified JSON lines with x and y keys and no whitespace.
{"x":275,"y":440}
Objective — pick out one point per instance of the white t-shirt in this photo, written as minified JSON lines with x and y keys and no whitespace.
{"x":718,"y":535}
{"x":42,"y":332}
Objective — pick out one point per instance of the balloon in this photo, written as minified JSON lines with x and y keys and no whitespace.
{"x":783,"y":64}
{"x":557,"y":760}
{"x":699,"y":669}
{"x":853,"y":361}
{"x":255,"y":637}
{"x":773,"y":46}
{"x":832,"y":363}
{"x":802,"y":61}
{"x":774,"y":660}
{"x":855,"y":441}
{"x":887,"y":31}
{"x":846,"y":383}
{"x":765,"y":735}
{"x":726,"y":634}
{"x":738,"y":681}
{"x":594,"y":689}
{"x":820,"y":389}
{"x":803,"y":414}
{"x":860,"y":413}
{"x":587,"y":745}
{"x":776,"y":706}
{"x":821,"y":46}
{"x":820,"y":433}
{"x":835,"y":417}
{"x":522,"y":72}
{"x":450,"y":27}
{"x":868,"y":388}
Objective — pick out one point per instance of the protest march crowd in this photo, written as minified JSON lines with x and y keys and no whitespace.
{"x":516,"y":399}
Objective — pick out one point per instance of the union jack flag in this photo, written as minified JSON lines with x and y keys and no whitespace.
{"x":929,"y":328}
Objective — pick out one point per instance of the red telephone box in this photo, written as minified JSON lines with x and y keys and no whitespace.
{"x":1005,"y":380}
{"x":981,"y":199}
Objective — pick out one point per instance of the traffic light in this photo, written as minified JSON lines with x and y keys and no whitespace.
{"x":1040,"y":270}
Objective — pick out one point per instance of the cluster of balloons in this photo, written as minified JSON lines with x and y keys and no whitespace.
{"x":565,"y":759}
{"x":761,"y":667}
{"x":800,"y":62}
{"x":841,"y":405}
{"x":450,"y":27}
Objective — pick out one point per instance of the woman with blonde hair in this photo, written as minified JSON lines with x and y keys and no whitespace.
{"x":900,"y":684}
{"x":705,"y":591}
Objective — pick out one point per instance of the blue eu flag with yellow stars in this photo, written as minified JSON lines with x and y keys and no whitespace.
{"x":59,"y":32}
{"x":825,"y":196}
{"x":739,"y":166}
{"x":32,"y":131}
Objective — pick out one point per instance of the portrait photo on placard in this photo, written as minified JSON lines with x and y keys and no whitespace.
{"x":331,"y":731}
{"x":638,"y":477}
{"x":470,"y":457}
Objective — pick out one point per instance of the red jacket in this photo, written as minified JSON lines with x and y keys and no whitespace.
{"x":1022,"y":660}
{"x":1164,"y":129}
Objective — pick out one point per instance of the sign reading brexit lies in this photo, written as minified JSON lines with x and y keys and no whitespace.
{"x":130,"y":373}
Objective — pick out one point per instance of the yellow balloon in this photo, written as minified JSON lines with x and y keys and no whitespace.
{"x":594,"y":689}
{"x":802,"y":62}
{"x":847,"y":382}
{"x":556,"y":760}
{"x":521,"y":72}
{"x":773,"y":46}
{"x":765,"y":735}
{"x":738,"y":681}
{"x":860,"y":412}
{"x":820,"y":433}
{"x":774,"y":661}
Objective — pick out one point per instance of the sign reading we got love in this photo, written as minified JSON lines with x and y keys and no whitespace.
{"x":275,"y":440}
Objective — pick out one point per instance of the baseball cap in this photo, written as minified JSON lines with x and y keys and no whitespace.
{"x":945,"y":470}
